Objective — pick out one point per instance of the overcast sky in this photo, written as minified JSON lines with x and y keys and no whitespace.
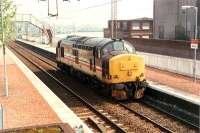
{"x":75,"y":12}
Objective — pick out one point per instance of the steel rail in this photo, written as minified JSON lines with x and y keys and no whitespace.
{"x":36,"y":55}
{"x":119,"y":129}
{"x":146,"y":118}
{"x":171,"y":115}
{"x":157,"y":108}
{"x":38,"y":50}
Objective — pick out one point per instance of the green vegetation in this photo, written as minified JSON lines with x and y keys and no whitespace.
{"x":8,"y":13}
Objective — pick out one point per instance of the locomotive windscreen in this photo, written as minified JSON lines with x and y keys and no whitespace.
{"x":119,"y":46}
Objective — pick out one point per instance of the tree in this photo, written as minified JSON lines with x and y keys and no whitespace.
{"x":8,"y":13}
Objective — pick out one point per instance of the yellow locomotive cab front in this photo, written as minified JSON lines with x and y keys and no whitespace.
{"x":126,"y":68}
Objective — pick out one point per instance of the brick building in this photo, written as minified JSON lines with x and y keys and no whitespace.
{"x":136,"y":28}
{"x":172,"y":22}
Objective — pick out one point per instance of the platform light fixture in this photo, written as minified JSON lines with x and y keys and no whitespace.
{"x":196,"y":14}
{"x":196,"y":36}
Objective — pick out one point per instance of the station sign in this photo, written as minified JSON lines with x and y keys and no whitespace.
{"x":194,"y":44}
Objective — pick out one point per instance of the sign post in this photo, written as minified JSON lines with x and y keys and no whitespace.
{"x":194,"y":45}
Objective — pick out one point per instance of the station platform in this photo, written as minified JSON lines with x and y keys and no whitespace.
{"x":174,"y":84}
{"x":164,"y":81}
{"x":30,"y":102}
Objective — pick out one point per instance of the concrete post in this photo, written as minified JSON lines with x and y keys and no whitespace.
{"x":1,"y":116}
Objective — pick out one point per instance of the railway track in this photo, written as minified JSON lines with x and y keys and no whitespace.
{"x":98,"y":118}
{"x":185,"y":115}
{"x":145,"y":117}
{"x":103,"y":123}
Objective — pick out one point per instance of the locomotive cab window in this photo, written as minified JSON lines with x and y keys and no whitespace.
{"x":129,"y":47}
{"x":118,"y":46}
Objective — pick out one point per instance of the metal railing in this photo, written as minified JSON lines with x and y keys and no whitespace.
{"x":31,"y":19}
{"x":30,"y":28}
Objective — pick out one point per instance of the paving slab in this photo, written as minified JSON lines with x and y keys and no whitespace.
{"x":24,"y":106}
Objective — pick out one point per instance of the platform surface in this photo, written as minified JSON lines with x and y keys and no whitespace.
{"x":164,"y":81}
{"x":30,"y":101}
{"x":174,"y":84}
{"x":24,"y":106}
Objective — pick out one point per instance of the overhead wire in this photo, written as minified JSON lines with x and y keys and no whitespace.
{"x":90,"y":7}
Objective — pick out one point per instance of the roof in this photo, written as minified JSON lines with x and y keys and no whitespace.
{"x":88,"y":41}
{"x":137,"y":19}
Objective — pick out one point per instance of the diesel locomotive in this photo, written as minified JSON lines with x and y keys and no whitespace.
{"x":111,"y":63}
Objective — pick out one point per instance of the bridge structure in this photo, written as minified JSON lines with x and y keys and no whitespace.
{"x":32,"y":29}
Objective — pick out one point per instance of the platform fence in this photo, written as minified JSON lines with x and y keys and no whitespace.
{"x":181,"y":66}
{"x":31,"y":29}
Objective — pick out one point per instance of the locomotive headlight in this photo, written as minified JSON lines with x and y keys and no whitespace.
{"x":115,"y":76}
{"x":142,"y":75}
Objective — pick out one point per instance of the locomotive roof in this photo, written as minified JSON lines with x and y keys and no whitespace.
{"x":89,"y":41}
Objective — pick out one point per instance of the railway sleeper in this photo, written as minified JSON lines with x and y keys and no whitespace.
{"x":100,"y":126}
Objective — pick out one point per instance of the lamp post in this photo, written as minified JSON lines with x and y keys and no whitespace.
{"x":5,"y":84}
{"x":196,"y":37}
{"x":186,"y":17}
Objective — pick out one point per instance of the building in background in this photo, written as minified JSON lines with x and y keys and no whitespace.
{"x":172,"y":22}
{"x":136,"y":28}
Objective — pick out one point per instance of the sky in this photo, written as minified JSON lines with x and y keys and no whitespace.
{"x":78,"y":13}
